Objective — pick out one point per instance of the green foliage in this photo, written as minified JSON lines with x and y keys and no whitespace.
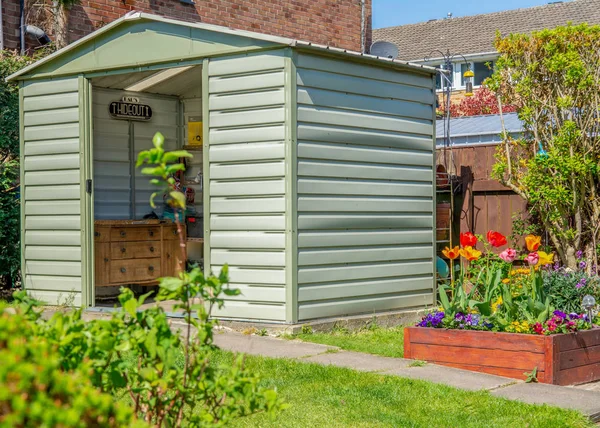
{"x":35,"y":388}
{"x":163,"y":167}
{"x":567,"y":288}
{"x":10,"y":255}
{"x":553,"y":78}
{"x":531,"y":376}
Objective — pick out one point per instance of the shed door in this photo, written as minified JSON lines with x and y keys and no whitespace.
{"x":51,"y":190}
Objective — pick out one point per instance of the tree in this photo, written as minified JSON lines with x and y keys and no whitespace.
{"x":482,"y":102}
{"x":553,"y":78}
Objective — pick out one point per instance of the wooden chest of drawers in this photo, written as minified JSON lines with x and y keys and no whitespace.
{"x":134,"y":252}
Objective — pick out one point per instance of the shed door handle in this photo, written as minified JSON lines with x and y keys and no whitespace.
{"x":151,"y":233}
{"x":151,"y":268}
{"x":123,"y":270}
{"x":96,"y":233}
{"x":123,"y":249}
{"x":123,"y":233}
{"x":151,"y":249}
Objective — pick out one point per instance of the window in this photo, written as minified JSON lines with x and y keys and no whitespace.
{"x":482,"y":70}
{"x":439,"y":79}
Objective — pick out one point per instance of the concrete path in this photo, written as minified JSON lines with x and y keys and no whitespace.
{"x":581,"y":399}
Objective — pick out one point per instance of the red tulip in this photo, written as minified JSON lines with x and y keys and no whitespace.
{"x":468,"y":239}
{"x":496,"y":239}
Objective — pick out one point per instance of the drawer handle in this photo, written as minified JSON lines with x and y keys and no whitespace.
{"x":151,"y":268}
{"x":123,"y":249}
{"x":151,"y":232}
{"x":168,"y":256}
{"x":174,"y":231}
{"x":96,"y":233}
{"x":105,"y":260}
{"x":123,"y":234}
{"x":123,"y":270}
{"x":151,"y":249}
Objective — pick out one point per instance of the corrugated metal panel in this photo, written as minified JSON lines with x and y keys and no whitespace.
{"x":248,"y":240}
{"x":246,"y":181}
{"x":246,"y":152}
{"x":53,"y":237}
{"x":247,"y":135}
{"x":365,"y":189}
{"x":52,"y":147}
{"x":247,"y":188}
{"x":44,"y":178}
{"x":54,"y":208}
{"x":51,"y":191}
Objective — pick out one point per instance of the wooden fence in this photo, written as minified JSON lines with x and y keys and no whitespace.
{"x":482,"y":203}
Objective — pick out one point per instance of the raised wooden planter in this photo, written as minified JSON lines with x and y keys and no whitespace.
{"x":561,"y":359}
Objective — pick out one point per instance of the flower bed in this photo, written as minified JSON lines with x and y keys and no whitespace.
{"x":560,"y":359}
{"x":507,"y":314}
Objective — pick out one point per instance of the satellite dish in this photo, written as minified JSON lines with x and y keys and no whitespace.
{"x":384,"y":49}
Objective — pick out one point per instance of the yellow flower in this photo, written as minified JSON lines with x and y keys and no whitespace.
{"x":545,"y":259}
{"x":505,"y":281}
{"x":470,"y":253}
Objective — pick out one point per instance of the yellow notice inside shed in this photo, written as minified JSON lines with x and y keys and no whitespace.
{"x":194,"y":131}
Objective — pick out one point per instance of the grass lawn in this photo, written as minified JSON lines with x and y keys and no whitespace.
{"x":321,"y":396}
{"x":388,"y":342}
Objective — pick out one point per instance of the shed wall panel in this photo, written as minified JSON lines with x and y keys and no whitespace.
{"x":365,"y":196}
{"x":246,"y":154}
{"x":51,"y":191}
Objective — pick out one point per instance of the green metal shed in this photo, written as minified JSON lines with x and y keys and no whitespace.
{"x":318,"y":165}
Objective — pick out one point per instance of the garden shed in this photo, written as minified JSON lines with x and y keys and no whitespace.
{"x":312,"y":177}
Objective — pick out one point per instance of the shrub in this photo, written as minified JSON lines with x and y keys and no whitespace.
{"x":35,"y":390}
{"x":567,"y":288}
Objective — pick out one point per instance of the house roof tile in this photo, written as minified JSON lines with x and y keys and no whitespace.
{"x":475,"y":34}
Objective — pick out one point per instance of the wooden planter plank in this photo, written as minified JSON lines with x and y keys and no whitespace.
{"x":562,"y":359}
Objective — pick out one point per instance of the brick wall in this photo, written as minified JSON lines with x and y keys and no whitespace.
{"x":329,"y":22}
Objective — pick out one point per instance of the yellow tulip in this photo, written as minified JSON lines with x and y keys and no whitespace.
{"x":470,"y":253}
{"x":545,"y":259}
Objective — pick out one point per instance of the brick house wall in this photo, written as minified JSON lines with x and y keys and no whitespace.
{"x":329,"y":22}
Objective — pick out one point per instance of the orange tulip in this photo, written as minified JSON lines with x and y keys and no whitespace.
{"x":470,"y":253}
{"x":533,"y":242}
{"x":451,"y":253}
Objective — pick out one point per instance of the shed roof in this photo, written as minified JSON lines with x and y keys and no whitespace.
{"x":475,"y":34}
{"x":480,"y":125}
{"x":139,"y":39}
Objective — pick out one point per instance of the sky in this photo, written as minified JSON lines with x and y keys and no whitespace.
{"x":388,"y":13}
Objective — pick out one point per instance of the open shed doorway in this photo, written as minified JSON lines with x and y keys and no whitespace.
{"x":134,"y":244}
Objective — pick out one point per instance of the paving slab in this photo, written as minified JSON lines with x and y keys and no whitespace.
{"x":587,"y":402}
{"x":268,"y":346}
{"x":457,"y":378}
{"x":359,"y":361}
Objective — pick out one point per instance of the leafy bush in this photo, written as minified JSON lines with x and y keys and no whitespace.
{"x":35,"y":390}
{"x":568,"y":287}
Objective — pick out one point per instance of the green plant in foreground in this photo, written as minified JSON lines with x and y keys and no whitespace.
{"x":36,"y":390}
{"x":169,"y":381}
